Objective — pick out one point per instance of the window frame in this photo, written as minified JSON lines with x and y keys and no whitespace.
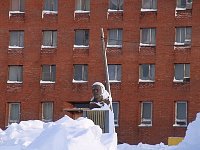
{"x":117,"y":32}
{"x":151,"y":67}
{"x":143,"y":119}
{"x":117,"y":76}
{"x":43,"y":112}
{"x":176,"y":124}
{"x":151,"y":37}
{"x":20,"y":6}
{"x":185,"y":67}
{"x":83,"y":6}
{"x":151,"y":8}
{"x":187,"y":5}
{"x":18,"y":73}
{"x":19,"y":43}
{"x":50,"y":6}
{"x":187,"y":38}
{"x":10,"y":121}
{"x":84,"y":36}
{"x":84,"y":73}
{"x":52,"y":41}
{"x":118,"y":7}
{"x":51,"y":73}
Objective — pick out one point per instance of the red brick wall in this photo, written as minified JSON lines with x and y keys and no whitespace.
{"x":163,"y":93}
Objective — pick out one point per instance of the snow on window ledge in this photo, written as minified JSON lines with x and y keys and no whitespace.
{"x":79,"y":81}
{"x":114,"y":81}
{"x":143,"y":44}
{"x":145,"y":125}
{"x":115,"y":46}
{"x":81,"y":11}
{"x":81,"y":46}
{"x":148,"y":10}
{"x":47,"y":82}
{"x":15,"y":47}
{"x":177,"y":8}
{"x":177,"y":81}
{"x":48,"y":12}
{"x":151,"y":81}
{"x":43,"y":46}
{"x":114,"y":10}
{"x":18,"y":82}
{"x":15,"y":12}
{"x":178,"y":125}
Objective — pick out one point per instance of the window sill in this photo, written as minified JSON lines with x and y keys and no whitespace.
{"x":114,"y":81}
{"x":177,"y":81}
{"x":16,"y":12}
{"x":179,"y":9}
{"x":81,"y":11}
{"x":147,"y":45}
{"x":48,"y":47}
{"x":13,"y":82}
{"x":81,"y":46}
{"x":148,"y":10}
{"x":114,"y":10}
{"x":177,"y":125}
{"x":47,"y":82}
{"x":79,"y":81}
{"x":48,"y":12}
{"x":15,"y":47}
{"x":114,"y":46}
{"x":145,"y":125}
{"x":146,"y":81}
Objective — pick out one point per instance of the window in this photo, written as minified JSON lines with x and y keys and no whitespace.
{"x":115,"y":106}
{"x":116,"y":4}
{"x":16,"y":39}
{"x":81,"y":38}
{"x":49,"y":39}
{"x":181,"y":113}
{"x":184,"y":4}
{"x":51,"y":5}
{"x":183,"y":35}
{"x":114,"y":38}
{"x":49,"y":73}
{"x":148,"y":37}
{"x":47,"y":111}
{"x":82,"y":5}
{"x":14,"y":113}
{"x":114,"y":73}
{"x":17,"y":5}
{"x":15,"y":74}
{"x":80,"y":73}
{"x":149,"y":4}
{"x":146,"y":113}
{"x":182,"y":72}
{"x":147,"y":72}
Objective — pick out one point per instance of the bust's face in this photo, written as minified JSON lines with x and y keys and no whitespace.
{"x":96,"y":91}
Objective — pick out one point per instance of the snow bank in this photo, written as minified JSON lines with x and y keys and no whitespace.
{"x":64,"y":134}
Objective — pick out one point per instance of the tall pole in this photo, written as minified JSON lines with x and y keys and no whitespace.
{"x":105,"y":65}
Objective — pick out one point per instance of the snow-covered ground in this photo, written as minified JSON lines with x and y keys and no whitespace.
{"x":80,"y":134}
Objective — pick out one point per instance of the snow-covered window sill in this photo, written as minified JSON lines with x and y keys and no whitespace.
{"x":180,"y":8}
{"x":177,"y":81}
{"x":47,"y":82}
{"x":48,"y":47}
{"x":145,"y":125}
{"x":114,"y":81}
{"x":113,"y":10}
{"x":177,"y":125}
{"x":49,"y":12}
{"x":115,"y":46}
{"x":148,"y":10}
{"x":13,"y":82}
{"x":81,"y":11}
{"x":79,"y":81}
{"x":15,"y":12}
{"x":15,"y":47}
{"x":81,"y":46}
{"x":151,"y":81}
{"x":147,"y":45}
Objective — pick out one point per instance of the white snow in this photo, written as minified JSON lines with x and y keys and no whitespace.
{"x":80,"y":134}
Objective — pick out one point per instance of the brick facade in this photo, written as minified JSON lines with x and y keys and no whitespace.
{"x":163,"y":93}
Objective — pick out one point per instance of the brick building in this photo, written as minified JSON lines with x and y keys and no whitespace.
{"x":50,"y":55}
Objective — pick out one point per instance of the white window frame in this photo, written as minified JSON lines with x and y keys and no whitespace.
{"x":116,"y":114}
{"x":20,"y":39}
{"x":187,"y":38}
{"x":18,"y":73}
{"x":84,"y":39}
{"x":187,"y":5}
{"x":9,"y":113}
{"x":117,"y":3}
{"x":21,"y":6}
{"x":185,"y":76}
{"x":143,"y":121}
{"x":50,"y":73}
{"x":84,"y":70}
{"x":150,"y":66}
{"x":117,"y":77}
{"x":118,"y":38}
{"x":151,"y":8}
{"x":151,"y":33}
{"x":53,"y":38}
{"x":81,"y":6}
{"x":177,"y":121}
{"x":43,"y":112}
